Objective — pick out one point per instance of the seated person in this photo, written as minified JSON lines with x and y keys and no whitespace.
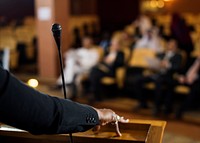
{"x":151,"y":40}
{"x":168,"y":63}
{"x":191,"y":79}
{"x":171,"y":62}
{"x":112,"y":60}
{"x":79,"y":61}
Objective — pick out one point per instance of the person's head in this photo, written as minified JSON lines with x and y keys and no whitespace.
{"x":116,"y":44}
{"x":172,"y":45}
{"x":125,"y":36}
{"x":87,"y":42}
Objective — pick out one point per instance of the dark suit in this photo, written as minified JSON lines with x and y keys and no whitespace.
{"x":28,"y":109}
{"x":97,"y":73}
{"x":191,"y":100}
{"x":194,"y":92}
{"x":165,"y":84}
{"x":162,"y":80}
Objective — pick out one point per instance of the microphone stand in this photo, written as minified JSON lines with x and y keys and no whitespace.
{"x":56,"y":29}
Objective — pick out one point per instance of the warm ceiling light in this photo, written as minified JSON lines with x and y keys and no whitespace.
{"x":168,"y":0}
{"x":160,"y":4}
{"x":153,"y":3}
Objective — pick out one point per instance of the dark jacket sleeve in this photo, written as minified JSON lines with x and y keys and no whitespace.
{"x":176,"y":62}
{"x":28,"y":109}
{"x":120,"y":61}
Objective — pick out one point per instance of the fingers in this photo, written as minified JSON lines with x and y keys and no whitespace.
{"x":96,"y":129}
{"x":117,"y":118}
{"x":107,"y":116}
{"x":122,"y":120}
{"x":118,"y":133}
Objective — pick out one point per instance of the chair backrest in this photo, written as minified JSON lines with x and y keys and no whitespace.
{"x":25,"y":34}
{"x":100,"y":52}
{"x":139,"y":57}
{"x":127,"y":54}
{"x":6,"y":31}
{"x":29,"y":20}
{"x":8,"y":42}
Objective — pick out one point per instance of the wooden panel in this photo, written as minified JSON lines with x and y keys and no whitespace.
{"x":47,"y":52}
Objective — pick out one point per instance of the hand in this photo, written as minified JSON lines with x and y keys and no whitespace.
{"x":107,"y":116}
{"x":164,"y":64}
{"x":182,"y":79}
{"x":108,"y":60}
{"x":190,"y":79}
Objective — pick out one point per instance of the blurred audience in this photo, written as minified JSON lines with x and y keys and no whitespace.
{"x":170,"y":64}
{"x":150,"y":36}
{"x":191,"y":79}
{"x":150,"y":40}
{"x":143,"y":23}
{"x":164,"y":66}
{"x":78,"y":62}
{"x":107,"y":68}
{"x":164,"y":37}
{"x":127,"y":40}
{"x":181,"y":31}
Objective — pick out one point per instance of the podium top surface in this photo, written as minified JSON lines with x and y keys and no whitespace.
{"x":140,"y":131}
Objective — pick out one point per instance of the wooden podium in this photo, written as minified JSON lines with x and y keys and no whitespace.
{"x":136,"y":131}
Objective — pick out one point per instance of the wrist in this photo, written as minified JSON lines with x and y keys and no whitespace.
{"x":98,"y":113}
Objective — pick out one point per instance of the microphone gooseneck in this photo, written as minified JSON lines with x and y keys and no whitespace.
{"x":57,"y":30}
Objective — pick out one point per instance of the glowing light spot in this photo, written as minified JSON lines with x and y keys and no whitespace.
{"x":33,"y":83}
{"x":168,"y":0}
{"x":153,"y":3}
{"x":160,"y":4}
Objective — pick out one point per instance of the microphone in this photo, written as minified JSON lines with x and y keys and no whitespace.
{"x":57,"y":30}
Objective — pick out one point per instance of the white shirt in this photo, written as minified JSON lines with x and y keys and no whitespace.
{"x":154,"y":43}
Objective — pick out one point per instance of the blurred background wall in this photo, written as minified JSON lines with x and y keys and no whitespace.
{"x":17,"y":8}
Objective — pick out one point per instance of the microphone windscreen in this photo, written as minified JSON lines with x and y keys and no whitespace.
{"x":56,"y":29}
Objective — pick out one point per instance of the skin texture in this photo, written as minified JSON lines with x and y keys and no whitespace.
{"x":107,"y":116}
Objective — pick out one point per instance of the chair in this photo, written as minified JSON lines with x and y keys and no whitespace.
{"x":6,"y":31}
{"x":11,"y":44}
{"x":29,"y":20}
{"x":25,"y":35}
{"x":120,"y":73}
{"x":139,"y":57}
